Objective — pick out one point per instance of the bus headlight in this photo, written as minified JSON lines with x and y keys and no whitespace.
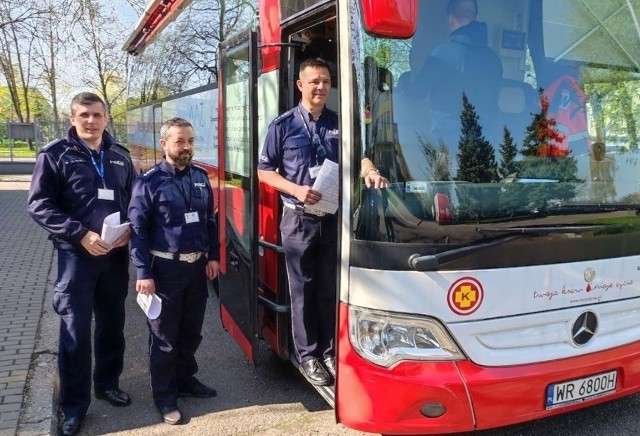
{"x":385,"y":338}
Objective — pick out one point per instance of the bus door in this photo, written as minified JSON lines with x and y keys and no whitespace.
{"x":237,"y":156}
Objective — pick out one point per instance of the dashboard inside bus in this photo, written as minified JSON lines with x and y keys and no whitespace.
{"x":518,"y":122}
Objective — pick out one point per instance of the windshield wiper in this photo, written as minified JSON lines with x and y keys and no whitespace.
{"x":431,"y":262}
{"x":592,"y":207}
{"x":543,"y":230}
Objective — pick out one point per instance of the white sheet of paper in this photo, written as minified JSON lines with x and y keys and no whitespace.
{"x":151,"y":305}
{"x":112,"y":229}
{"x":327,"y":184}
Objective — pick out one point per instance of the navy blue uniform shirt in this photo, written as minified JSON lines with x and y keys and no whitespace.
{"x":288,"y":146}
{"x":64,"y":189}
{"x":161,"y":197}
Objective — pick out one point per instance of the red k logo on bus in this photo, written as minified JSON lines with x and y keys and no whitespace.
{"x":465,"y":296}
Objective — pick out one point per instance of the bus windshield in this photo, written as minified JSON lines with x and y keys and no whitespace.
{"x":522,"y":118}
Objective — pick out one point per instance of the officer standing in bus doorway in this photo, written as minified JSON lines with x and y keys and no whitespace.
{"x":296,"y":145}
{"x":78,"y":181}
{"x":175,"y":249}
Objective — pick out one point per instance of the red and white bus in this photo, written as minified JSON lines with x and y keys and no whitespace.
{"x":497,"y":280}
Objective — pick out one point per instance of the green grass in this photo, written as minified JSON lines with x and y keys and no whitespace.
{"x":20,"y":149}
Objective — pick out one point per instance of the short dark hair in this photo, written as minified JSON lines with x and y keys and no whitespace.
{"x":86,"y":99}
{"x":313,"y":63}
{"x":464,"y":10}
{"x":173,"y":122}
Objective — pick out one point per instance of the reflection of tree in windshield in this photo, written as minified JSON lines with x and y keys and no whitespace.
{"x":546,"y":173}
{"x":477,"y":166}
{"x":545,"y":159}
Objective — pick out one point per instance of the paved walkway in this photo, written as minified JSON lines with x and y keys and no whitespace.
{"x":25,"y":263}
{"x":270,"y":399}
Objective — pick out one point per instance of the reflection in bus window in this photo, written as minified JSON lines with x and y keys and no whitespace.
{"x":552,"y":125}
{"x":292,"y":7}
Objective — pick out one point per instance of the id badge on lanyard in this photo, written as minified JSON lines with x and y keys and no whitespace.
{"x":103,"y":193}
{"x":106,"y":194}
{"x":191,"y":217}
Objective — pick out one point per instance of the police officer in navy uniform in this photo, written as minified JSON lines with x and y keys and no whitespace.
{"x":175,"y":249}
{"x":77,"y":182}
{"x":296,"y":145}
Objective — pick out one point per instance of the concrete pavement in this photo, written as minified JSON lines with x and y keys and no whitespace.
{"x":25,"y":263}
{"x":270,"y":399}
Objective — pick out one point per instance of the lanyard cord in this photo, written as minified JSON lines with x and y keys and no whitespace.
{"x":187,"y":202}
{"x":306,"y":126}
{"x":99,"y":168}
{"x":320,"y":140}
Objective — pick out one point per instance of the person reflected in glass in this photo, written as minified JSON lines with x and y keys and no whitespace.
{"x":463,"y":64}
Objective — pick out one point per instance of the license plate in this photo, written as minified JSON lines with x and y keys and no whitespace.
{"x":582,"y":389}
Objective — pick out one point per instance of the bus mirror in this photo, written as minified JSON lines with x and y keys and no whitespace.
{"x":390,"y":18}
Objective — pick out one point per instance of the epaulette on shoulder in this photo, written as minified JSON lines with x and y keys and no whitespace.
{"x":199,"y":168}
{"x":122,"y":147}
{"x":284,"y":116}
{"x":55,"y":144}
{"x":149,"y":172}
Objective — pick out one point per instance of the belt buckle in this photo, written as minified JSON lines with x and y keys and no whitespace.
{"x":315,"y":212}
{"x":189,"y":257}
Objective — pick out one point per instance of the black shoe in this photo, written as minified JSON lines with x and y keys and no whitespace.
{"x":315,"y":373}
{"x":330,"y":364}
{"x":171,"y":415}
{"x":70,"y":425}
{"x":115,"y":397}
{"x":196,"y":389}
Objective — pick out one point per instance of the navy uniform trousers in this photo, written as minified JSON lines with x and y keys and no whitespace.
{"x":310,"y":246}
{"x":176,"y":334}
{"x":89,"y":286}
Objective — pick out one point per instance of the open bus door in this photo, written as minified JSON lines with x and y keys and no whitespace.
{"x":238,"y":194}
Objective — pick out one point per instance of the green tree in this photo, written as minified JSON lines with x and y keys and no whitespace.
{"x":510,"y":196}
{"x":476,"y":157}
{"x":476,"y":165}
{"x":16,"y":22}
{"x":185,"y":55}
{"x":508,"y":153}
{"x":97,"y":34}
{"x":438,"y":161}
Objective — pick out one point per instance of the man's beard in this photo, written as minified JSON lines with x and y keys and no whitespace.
{"x":183,"y":159}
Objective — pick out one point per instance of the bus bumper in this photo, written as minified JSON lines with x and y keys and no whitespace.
{"x":389,"y":400}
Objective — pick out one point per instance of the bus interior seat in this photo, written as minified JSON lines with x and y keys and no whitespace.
{"x":517,"y":102}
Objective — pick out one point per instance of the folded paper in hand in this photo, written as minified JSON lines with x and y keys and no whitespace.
{"x":112,"y":229}
{"x":327,"y":184}
{"x":151,"y":305}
